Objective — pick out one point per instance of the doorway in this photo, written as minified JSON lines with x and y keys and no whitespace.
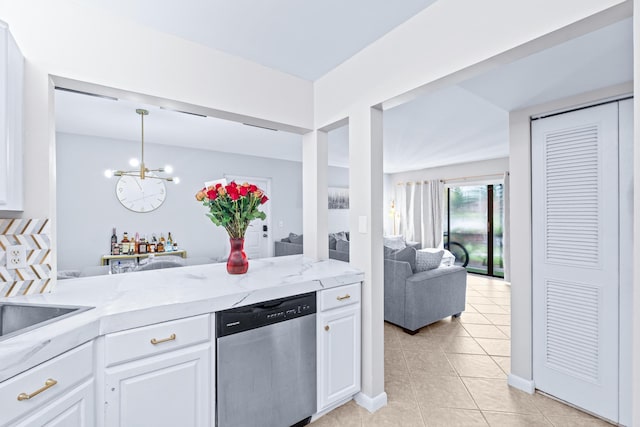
{"x":474,"y":218}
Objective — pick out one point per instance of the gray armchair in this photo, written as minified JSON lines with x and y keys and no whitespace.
{"x":413,"y":301}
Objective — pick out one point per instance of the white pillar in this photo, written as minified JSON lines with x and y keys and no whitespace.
{"x":314,"y":195}
{"x":366,"y":230}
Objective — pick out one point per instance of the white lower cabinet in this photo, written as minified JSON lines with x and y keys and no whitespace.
{"x":339,"y":344}
{"x":59,"y":392}
{"x":159,"y":375}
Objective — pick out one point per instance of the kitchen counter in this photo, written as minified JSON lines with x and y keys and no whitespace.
{"x":131,"y":300}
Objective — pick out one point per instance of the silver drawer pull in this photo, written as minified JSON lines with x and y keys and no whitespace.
{"x":347,"y":296}
{"x":47,"y":385}
{"x":155,"y":341}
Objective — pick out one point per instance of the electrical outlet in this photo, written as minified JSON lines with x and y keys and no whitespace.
{"x":16,"y":257}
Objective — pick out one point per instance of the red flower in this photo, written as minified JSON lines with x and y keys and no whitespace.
{"x":212,"y":194}
{"x":243,"y":190}
{"x":218,"y":185}
{"x":264,"y":200}
{"x":253,"y":188}
{"x":234,"y":196}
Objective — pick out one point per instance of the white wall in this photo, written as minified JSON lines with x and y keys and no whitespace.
{"x":67,"y":39}
{"x":88,"y":207}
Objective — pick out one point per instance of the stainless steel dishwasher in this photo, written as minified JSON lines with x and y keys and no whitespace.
{"x":266,"y":363}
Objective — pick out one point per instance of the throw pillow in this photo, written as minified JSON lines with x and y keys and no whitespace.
{"x":295,"y":238}
{"x":342,"y":246}
{"x":426,"y":260}
{"x":407,"y":254}
{"x":395,"y":242}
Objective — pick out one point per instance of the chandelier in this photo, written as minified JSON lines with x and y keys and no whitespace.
{"x":142,"y":171}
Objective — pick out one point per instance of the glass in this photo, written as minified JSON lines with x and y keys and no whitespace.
{"x":468,"y":225}
{"x":498,"y":225}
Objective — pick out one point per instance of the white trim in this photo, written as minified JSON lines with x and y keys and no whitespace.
{"x":527,"y":386}
{"x":371,"y":404}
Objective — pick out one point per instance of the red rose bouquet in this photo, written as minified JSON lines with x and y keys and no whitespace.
{"x":233,"y":206}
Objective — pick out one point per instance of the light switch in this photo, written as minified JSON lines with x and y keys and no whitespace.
{"x":362,"y":224}
{"x":16,"y":257}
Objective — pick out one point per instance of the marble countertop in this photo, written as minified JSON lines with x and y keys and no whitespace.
{"x":131,"y":300}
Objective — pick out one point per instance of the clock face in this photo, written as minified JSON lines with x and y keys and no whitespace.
{"x":140,"y":195}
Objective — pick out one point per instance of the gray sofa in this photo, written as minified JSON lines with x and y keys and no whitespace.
{"x":414,"y":300}
{"x":339,"y":251}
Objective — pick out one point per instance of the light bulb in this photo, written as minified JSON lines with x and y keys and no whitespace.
{"x":176,"y":180}
{"x":134,"y":162}
{"x":168,"y":169}
{"x":108,"y":173}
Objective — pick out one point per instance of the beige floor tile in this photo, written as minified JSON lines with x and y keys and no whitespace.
{"x":476,"y":365}
{"x":577,"y":422}
{"x":476,"y":318}
{"x":431,"y":363}
{"x":504,"y":419}
{"x":551,"y":407}
{"x":348,"y":415}
{"x":447,"y":417}
{"x":469,"y":309}
{"x":441,"y":392}
{"x":478,"y":300}
{"x":448,"y":327}
{"x":496,"y":395}
{"x":505,"y":330}
{"x":495,"y":347}
{"x":466,"y":345}
{"x":503,"y":362}
{"x":419,"y":342}
{"x":498,"y":319}
{"x":394,"y":361}
{"x":506,"y":308}
{"x":489,"y":308}
{"x":484,"y":331}
{"x":500,"y":300}
{"x":399,"y":389}
{"x":396,"y":414}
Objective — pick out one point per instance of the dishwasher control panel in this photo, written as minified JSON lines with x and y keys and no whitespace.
{"x":266,"y":313}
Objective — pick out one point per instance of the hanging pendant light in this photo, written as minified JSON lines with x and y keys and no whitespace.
{"x":142,"y":171}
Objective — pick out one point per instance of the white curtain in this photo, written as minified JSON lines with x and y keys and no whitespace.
{"x":432,"y":213}
{"x":421,"y":207}
{"x":506,"y":230}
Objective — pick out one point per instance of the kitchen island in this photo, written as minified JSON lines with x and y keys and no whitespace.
{"x":138,"y":301}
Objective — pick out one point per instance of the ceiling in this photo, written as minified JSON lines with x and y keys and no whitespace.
{"x":303,"y":38}
{"x":458,"y":124}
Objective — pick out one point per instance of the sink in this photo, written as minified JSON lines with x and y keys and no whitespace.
{"x":19,"y":318}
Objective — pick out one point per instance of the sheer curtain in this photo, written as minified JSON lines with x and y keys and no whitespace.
{"x":421,"y":208}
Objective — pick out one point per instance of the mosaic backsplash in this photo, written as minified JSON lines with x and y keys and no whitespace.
{"x":35,"y":278}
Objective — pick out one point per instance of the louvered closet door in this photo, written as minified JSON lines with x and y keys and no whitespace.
{"x":575,"y":257}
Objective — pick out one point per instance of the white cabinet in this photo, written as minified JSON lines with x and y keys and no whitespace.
{"x":59,"y":392}
{"x":11,"y":86}
{"x":160,"y":375}
{"x":338,"y":344}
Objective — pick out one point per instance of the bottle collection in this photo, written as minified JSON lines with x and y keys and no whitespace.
{"x":137,"y":245}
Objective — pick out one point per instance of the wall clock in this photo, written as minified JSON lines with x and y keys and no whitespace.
{"x":141,"y":195}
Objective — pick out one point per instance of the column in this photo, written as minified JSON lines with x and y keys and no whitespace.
{"x":314,"y":195}
{"x":366,"y":231}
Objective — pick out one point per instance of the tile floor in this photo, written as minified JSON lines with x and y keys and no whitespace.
{"x":454,"y":373}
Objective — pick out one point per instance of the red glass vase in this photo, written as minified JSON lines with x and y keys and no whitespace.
{"x":237,"y":262}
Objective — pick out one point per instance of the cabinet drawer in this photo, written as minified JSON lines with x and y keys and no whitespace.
{"x":52,"y":379}
{"x":155,"y":339}
{"x":339,"y":297}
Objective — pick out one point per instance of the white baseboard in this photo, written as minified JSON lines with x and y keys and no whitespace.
{"x":371,"y":404}
{"x":527,"y":386}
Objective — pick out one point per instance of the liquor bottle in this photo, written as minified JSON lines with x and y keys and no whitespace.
{"x":125,"y":244}
{"x":114,"y":240}
{"x":168,"y":247}
{"x":143,"y":247}
{"x":136,"y":248}
{"x":153,"y":246}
